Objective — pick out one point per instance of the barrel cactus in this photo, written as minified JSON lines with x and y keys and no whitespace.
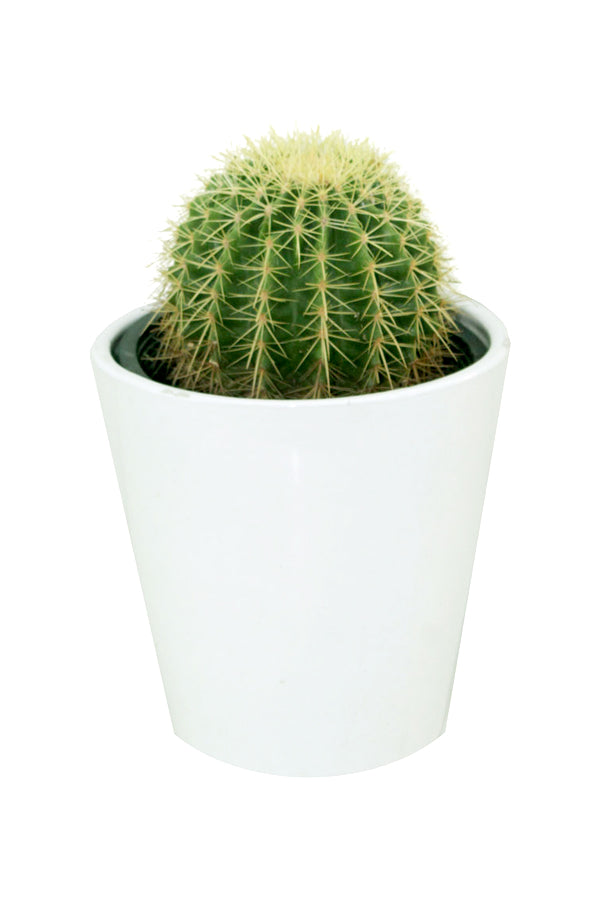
{"x":303,"y":268}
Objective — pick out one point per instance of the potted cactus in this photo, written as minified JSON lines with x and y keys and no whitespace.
{"x":302,"y":427}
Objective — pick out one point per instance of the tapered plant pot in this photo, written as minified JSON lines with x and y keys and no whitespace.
{"x":305,"y":564}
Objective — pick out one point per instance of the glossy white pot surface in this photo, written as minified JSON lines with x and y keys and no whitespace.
{"x":305,"y":564}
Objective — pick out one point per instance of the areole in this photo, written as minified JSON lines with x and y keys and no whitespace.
{"x":305,"y":563}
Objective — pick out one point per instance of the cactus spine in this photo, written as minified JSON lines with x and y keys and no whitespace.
{"x":304,"y":268}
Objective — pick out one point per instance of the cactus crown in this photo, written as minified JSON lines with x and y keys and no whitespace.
{"x":304,"y":267}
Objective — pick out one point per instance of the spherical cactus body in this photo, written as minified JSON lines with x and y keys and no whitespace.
{"x":304,"y":268}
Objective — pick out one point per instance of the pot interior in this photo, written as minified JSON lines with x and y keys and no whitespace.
{"x":469,"y":345}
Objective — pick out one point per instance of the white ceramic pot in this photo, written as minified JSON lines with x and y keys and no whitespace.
{"x":306,"y":564}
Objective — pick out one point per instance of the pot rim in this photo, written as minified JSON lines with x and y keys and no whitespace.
{"x":483,"y":321}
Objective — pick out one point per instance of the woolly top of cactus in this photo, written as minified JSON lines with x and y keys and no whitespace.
{"x":308,"y":158}
{"x":303,"y":268}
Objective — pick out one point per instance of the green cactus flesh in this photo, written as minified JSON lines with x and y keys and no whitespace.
{"x":303,"y":268}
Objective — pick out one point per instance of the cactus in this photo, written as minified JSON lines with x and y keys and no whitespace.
{"x":304,"y":268}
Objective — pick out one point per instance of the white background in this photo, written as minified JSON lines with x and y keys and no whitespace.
{"x":110,"y":110}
